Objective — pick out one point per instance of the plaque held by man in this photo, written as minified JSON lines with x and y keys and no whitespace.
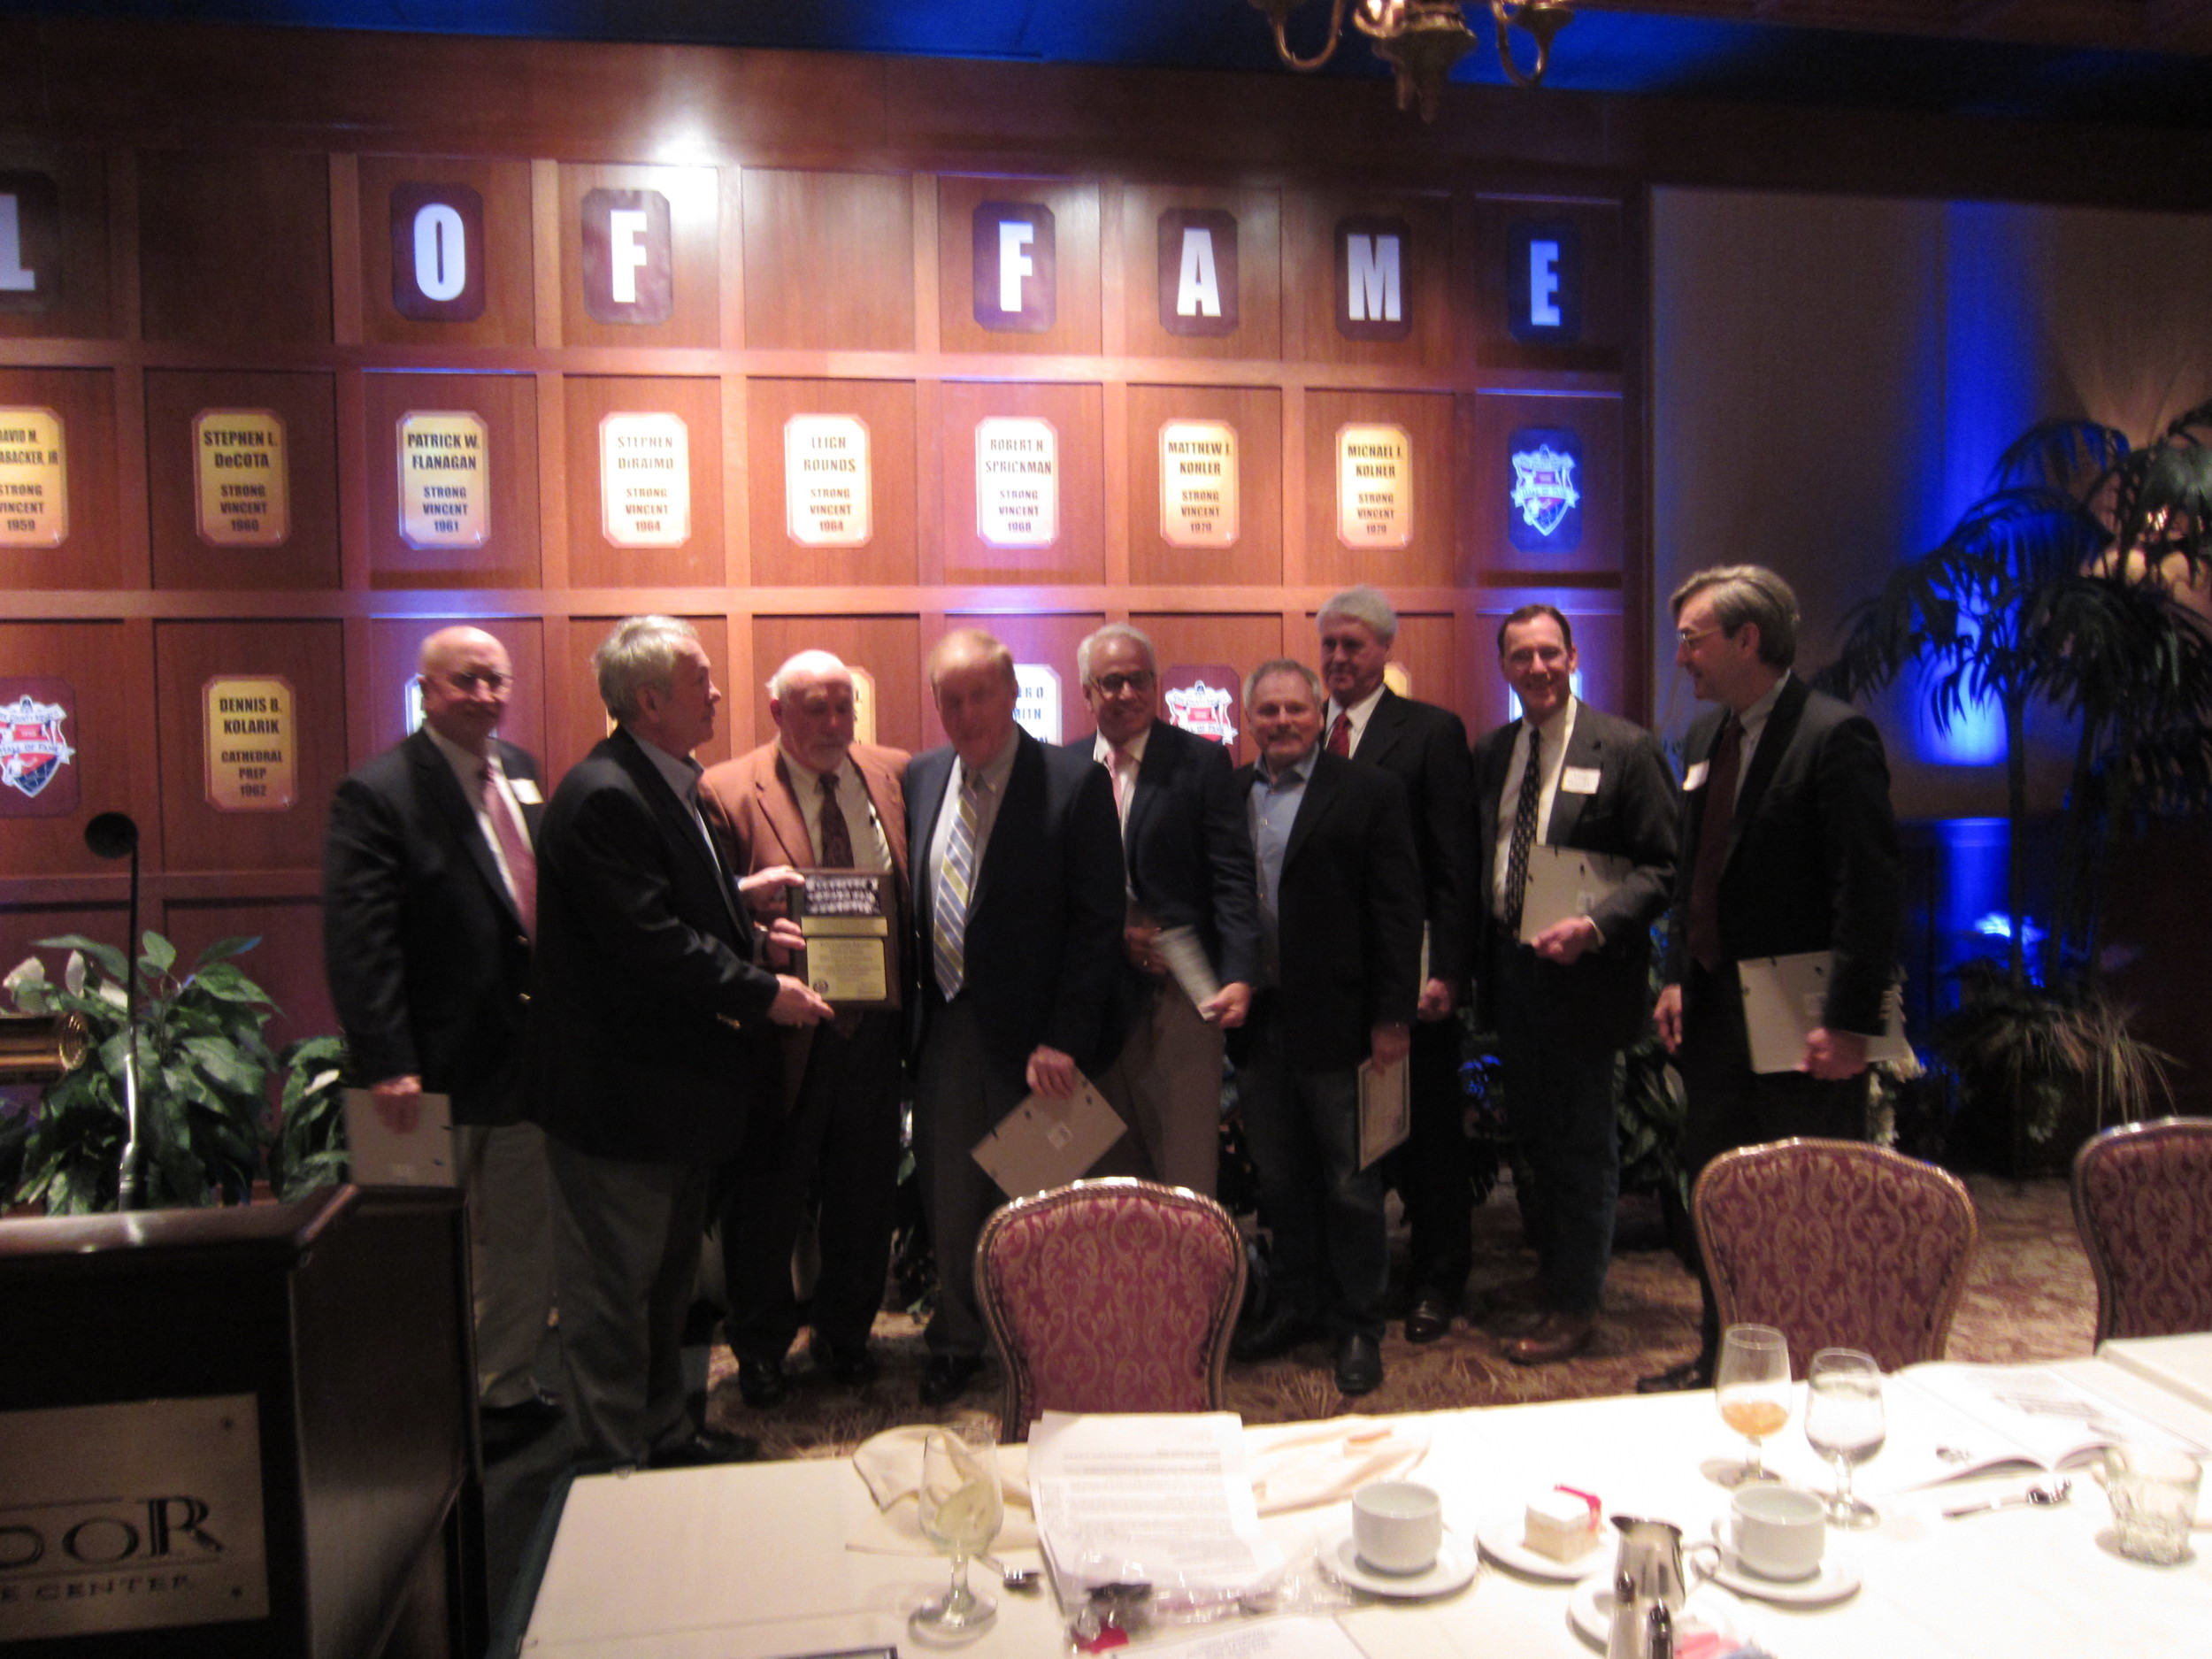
{"x":846,"y":916}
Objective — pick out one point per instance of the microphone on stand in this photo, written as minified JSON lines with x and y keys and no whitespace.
{"x":115,"y":835}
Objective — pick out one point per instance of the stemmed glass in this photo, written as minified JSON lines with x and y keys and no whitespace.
{"x":961,"y":1512}
{"x":1844,"y":1424}
{"x":1753,"y":1385}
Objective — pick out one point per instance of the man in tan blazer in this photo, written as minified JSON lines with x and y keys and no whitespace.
{"x":814,"y":798}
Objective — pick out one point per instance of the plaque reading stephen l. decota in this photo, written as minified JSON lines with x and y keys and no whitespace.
{"x":846,"y":915}
{"x":144,"y":1515}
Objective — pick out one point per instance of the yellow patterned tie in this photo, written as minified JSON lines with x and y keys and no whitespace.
{"x":955,"y":886}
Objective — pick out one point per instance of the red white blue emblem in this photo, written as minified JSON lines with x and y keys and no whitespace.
{"x":1543,"y":489}
{"x":33,"y":750}
{"x":1203,"y":710}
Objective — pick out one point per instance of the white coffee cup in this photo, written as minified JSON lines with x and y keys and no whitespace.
{"x":1397,"y":1525}
{"x":1778,"y":1532}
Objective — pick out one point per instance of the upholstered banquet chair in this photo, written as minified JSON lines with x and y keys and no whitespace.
{"x":1109,"y":1295}
{"x":1838,"y":1244}
{"x":2143,"y":1201}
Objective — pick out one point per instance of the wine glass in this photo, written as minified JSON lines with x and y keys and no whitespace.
{"x":1753,"y":1385}
{"x":1843,"y":1423}
{"x":961,"y":1510}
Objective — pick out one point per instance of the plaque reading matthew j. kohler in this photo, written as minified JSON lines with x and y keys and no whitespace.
{"x":846,"y":915}
{"x":137,"y":1515}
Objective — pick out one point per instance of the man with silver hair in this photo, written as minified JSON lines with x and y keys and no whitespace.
{"x":813,"y":797}
{"x":650,"y":1041}
{"x":1189,"y":857}
{"x":1425,"y":748}
{"x":1787,"y":846}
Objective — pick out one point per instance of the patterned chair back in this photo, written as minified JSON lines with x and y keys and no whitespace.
{"x":1836,"y":1244}
{"x":2143,"y":1204}
{"x":1109,"y":1295}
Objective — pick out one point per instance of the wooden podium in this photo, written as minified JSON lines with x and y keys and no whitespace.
{"x":241,"y":1431}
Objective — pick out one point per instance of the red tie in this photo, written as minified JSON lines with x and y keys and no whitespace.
{"x":514,"y":847}
{"x":1341,"y":736}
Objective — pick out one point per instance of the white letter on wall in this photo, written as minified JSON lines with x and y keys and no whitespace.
{"x":625,"y":225}
{"x":1374,"y":295}
{"x":1543,"y":284}
{"x":1198,"y":292}
{"x":441,"y":252}
{"x":13,"y":278}
{"x":1014,"y":238}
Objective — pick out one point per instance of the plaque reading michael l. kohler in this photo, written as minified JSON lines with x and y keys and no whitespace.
{"x":846,"y":915}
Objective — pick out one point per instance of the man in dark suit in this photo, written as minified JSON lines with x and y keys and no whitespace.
{"x":1565,"y":1002}
{"x":1189,"y":856}
{"x":1017,"y":903}
{"x":815,"y":798}
{"x":1788,"y":846}
{"x":1425,"y":748}
{"x":429,"y":892}
{"x":650,"y":1041}
{"x":1340,"y":891}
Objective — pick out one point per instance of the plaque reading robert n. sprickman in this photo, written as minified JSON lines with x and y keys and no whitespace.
{"x":141,"y":1515}
{"x":846,"y":915}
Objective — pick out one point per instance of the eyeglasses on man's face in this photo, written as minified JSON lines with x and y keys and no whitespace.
{"x":1114,"y":685}
{"x":469,"y":681}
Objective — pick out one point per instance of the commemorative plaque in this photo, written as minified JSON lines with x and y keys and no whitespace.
{"x":846,"y":915}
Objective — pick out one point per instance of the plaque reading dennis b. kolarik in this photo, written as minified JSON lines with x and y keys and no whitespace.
{"x":846,"y":916}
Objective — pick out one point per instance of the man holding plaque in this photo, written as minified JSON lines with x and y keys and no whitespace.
{"x":1192,"y":933}
{"x":1565,"y":952}
{"x":816,"y":808}
{"x":1340,"y":892}
{"x":1017,"y":910}
{"x":1788,"y":847}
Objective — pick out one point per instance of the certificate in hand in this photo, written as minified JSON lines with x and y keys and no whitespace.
{"x":1784,"y":1000}
{"x":1386,"y":1108}
{"x":378,"y":1155}
{"x":846,"y":915}
{"x":1564,"y":882}
{"x":1045,"y":1142}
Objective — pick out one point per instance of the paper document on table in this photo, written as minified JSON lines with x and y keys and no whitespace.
{"x":1267,"y":1638}
{"x":1785,"y":1000}
{"x":1946,"y":1421}
{"x":1145,"y":1499}
{"x":1185,"y":954}
{"x":379,"y":1155}
{"x":1565,"y":882}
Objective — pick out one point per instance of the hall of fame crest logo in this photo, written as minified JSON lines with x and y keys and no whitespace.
{"x":1544,"y":490}
{"x":1203,"y":710}
{"x":33,"y":747}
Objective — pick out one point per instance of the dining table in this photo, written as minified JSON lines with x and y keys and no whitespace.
{"x":778,"y":1560}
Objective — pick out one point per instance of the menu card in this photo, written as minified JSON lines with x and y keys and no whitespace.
{"x":1948,"y":1421}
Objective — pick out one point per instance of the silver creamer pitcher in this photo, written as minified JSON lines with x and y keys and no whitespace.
{"x":1649,"y":1589}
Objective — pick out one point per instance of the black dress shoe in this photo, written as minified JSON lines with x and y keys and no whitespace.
{"x":706,"y":1448}
{"x":1428,"y":1319}
{"x":1278,"y":1334}
{"x":948,"y":1378}
{"x":1358,"y":1364}
{"x":848,"y":1368}
{"x":1695,"y":1373}
{"x":763,"y":1384}
{"x":541,"y":1411}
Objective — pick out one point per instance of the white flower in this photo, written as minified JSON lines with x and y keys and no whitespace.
{"x":113,"y":996}
{"x":73,"y":974}
{"x":26,"y":984}
{"x":323,"y":1080}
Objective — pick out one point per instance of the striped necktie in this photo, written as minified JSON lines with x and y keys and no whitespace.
{"x":1524,"y":833}
{"x":956,"y":888}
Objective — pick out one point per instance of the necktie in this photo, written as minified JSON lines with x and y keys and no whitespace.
{"x":1524,"y":832}
{"x":1341,"y":736}
{"x":955,"y":886}
{"x":514,"y":847}
{"x":1714,"y":829}
{"x":834,"y":836}
{"x":1123,"y":768}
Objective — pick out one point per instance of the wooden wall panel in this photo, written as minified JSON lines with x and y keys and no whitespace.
{"x":822,"y":270}
{"x":1074,"y":208}
{"x":1428,"y":648}
{"x":287,"y":963}
{"x":580,"y":717}
{"x":695,"y":220}
{"x":508,"y":406}
{"x":1599,"y":641}
{"x":1488,"y":276}
{"x":307,"y":405}
{"x":197,"y":835}
{"x":235,"y":246}
{"x":1311,"y":279}
{"x":1037,"y":636}
{"x":1428,"y":560}
{"x":887,"y":407}
{"x":1255,"y":558}
{"x":506,"y":255}
{"x":73,"y":296}
{"x":1078,"y":417}
{"x":1259,"y":272}
{"x":595,"y":562}
{"x":889,"y":647}
{"x":1243,"y":642}
{"x":93,"y":661}
{"x":93,"y":554}
{"x":1489,"y":519}
{"x":395,"y":647}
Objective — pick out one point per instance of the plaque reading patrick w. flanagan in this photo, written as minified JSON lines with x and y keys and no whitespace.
{"x":846,"y":915}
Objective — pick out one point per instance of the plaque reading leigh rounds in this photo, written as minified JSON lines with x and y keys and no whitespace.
{"x":827,"y":482}
{"x":139,"y":1515}
{"x":846,"y":915}
{"x":252,"y":745}
{"x":242,"y":480}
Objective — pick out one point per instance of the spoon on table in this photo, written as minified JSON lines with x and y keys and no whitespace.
{"x":2040,"y":1497}
{"x":1018,"y":1580}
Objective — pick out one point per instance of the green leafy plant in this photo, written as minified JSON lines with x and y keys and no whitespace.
{"x":202,"y":1072}
{"x":310,"y":1147}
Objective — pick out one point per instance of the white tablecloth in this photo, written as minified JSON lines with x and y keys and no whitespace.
{"x":750,"y":1561}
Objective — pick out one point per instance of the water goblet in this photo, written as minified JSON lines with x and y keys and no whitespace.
{"x":1752,"y":1384}
{"x":1844,"y":1424}
{"x":961,"y":1510}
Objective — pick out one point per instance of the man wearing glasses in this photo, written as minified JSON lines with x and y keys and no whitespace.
{"x":1189,"y":856}
{"x":429,"y":895}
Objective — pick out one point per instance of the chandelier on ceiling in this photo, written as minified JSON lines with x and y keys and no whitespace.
{"x":1421,"y":39}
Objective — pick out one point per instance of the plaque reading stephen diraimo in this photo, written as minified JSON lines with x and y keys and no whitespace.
{"x":846,"y":915}
{"x":137,"y":1515}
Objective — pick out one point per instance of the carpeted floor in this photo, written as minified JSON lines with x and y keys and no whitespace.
{"x":2030,"y":1297}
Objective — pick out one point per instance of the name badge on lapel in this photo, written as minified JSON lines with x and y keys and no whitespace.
{"x":1578,"y":780}
{"x":525,"y":791}
{"x":1694,"y":778}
